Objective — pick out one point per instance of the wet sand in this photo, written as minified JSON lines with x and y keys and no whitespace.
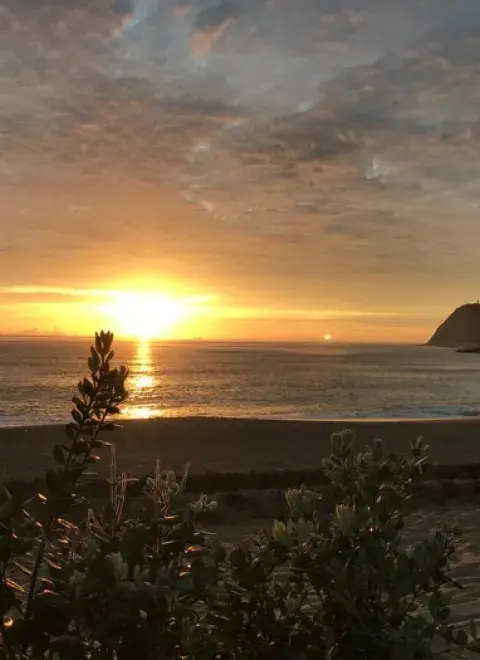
{"x":218,"y":445}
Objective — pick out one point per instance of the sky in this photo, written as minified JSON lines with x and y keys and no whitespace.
{"x":284,"y":169}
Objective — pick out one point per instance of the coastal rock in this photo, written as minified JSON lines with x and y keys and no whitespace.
{"x":460,"y":329}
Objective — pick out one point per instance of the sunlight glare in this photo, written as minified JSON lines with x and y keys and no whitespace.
{"x":142,"y":412}
{"x":147,"y":315}
{"x":140,"y":404}
{"x":142,"y":379}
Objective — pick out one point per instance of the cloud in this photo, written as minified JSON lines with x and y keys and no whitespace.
{"x":50,"y":290}
{"x":308,"y":143}
{"x":367,"y":226}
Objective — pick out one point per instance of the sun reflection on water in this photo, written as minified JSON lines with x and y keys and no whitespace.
{"x":143,"y":382}
{"x":141,"y":385}
{"x":142,"y":412}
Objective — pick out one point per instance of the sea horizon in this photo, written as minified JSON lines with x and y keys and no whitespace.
{"x":89,"y":338}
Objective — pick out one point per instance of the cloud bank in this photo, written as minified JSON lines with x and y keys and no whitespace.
{"x":309,"y":152}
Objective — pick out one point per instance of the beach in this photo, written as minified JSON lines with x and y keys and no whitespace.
{"x":224,"y":445}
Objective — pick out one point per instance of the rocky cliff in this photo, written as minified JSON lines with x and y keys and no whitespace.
{"x":461,"y":328}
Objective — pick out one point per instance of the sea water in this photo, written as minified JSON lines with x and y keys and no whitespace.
{"x":307,"y":381}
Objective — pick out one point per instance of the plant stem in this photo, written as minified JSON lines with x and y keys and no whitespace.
{"x":8,"y":648}
{"x":54,"y":517}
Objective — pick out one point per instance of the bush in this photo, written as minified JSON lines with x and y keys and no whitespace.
{"x":150,"y":584}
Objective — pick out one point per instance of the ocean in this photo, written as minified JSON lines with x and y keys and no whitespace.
{"x":294,"y":381}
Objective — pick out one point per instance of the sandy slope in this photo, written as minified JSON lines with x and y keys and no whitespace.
{"x":240,"y":445}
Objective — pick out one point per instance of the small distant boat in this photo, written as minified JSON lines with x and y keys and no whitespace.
{"x":473,"y":348}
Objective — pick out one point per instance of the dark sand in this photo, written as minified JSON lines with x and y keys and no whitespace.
{"x":239,"y":445}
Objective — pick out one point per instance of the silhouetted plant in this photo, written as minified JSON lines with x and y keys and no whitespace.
{"x":43,"y":533}
{"x":141,"y":581}
{"x":342,"y":585}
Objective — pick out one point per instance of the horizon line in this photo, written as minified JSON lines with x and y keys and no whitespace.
{"x":178,"y":340}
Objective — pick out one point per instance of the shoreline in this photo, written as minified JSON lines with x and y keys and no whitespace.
{"x":239,"y":445}
{"x":336,"y":419}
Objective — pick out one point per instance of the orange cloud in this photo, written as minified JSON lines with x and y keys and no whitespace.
{"x":204,"y":40}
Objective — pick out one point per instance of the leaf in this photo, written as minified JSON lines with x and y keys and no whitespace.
{"x":77,"y":415}
{"x":86,"y":387}
{"x":100,"y":444}
{"x":199,"y":572}
{"x":51,"y":612}
{"x":473,"y":629}
{"x":237,"y":557}
{"x":66,"y":524}
{"x":377,"y":450}
{"x":48,"y":599}
{"x":46,"y":584}
{"x":68,"y":648}
{"x":93,"y":365}
{"x":7,"y":509}
{"x":74,"y":471}
{"x":194,"y":551}
{"x":169,"y":521}
{"x":220,"y":554}
{"x":59,"y":455}
{"x":133,"y":542}
{"x":22,"y":569}
{"x":79,"y":448}
{"x":14,"y":585}
{"x":57,"y":483}
{"x":56,"y":571}
{"x":63,"y":505}
{"x":71,"y":431}
{"x":94,"y":360}
{"x":461,"y":638}
{"x":22,"y":545}
{"x":103,"y":342}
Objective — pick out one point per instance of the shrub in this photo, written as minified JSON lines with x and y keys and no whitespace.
{"x":145,"y":582}
{"x":348,"y":588}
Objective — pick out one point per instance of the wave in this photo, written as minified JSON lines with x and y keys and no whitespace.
{"x":428,"y":412}
{"x":425,"y":413}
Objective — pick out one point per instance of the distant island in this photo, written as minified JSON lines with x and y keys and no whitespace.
{"x":461,"y":330}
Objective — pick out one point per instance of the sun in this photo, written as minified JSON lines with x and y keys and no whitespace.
{"x":327,"y":337}
{"x":146,"y":315}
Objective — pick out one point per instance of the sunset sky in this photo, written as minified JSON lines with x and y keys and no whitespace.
{"x":255,"y":169}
